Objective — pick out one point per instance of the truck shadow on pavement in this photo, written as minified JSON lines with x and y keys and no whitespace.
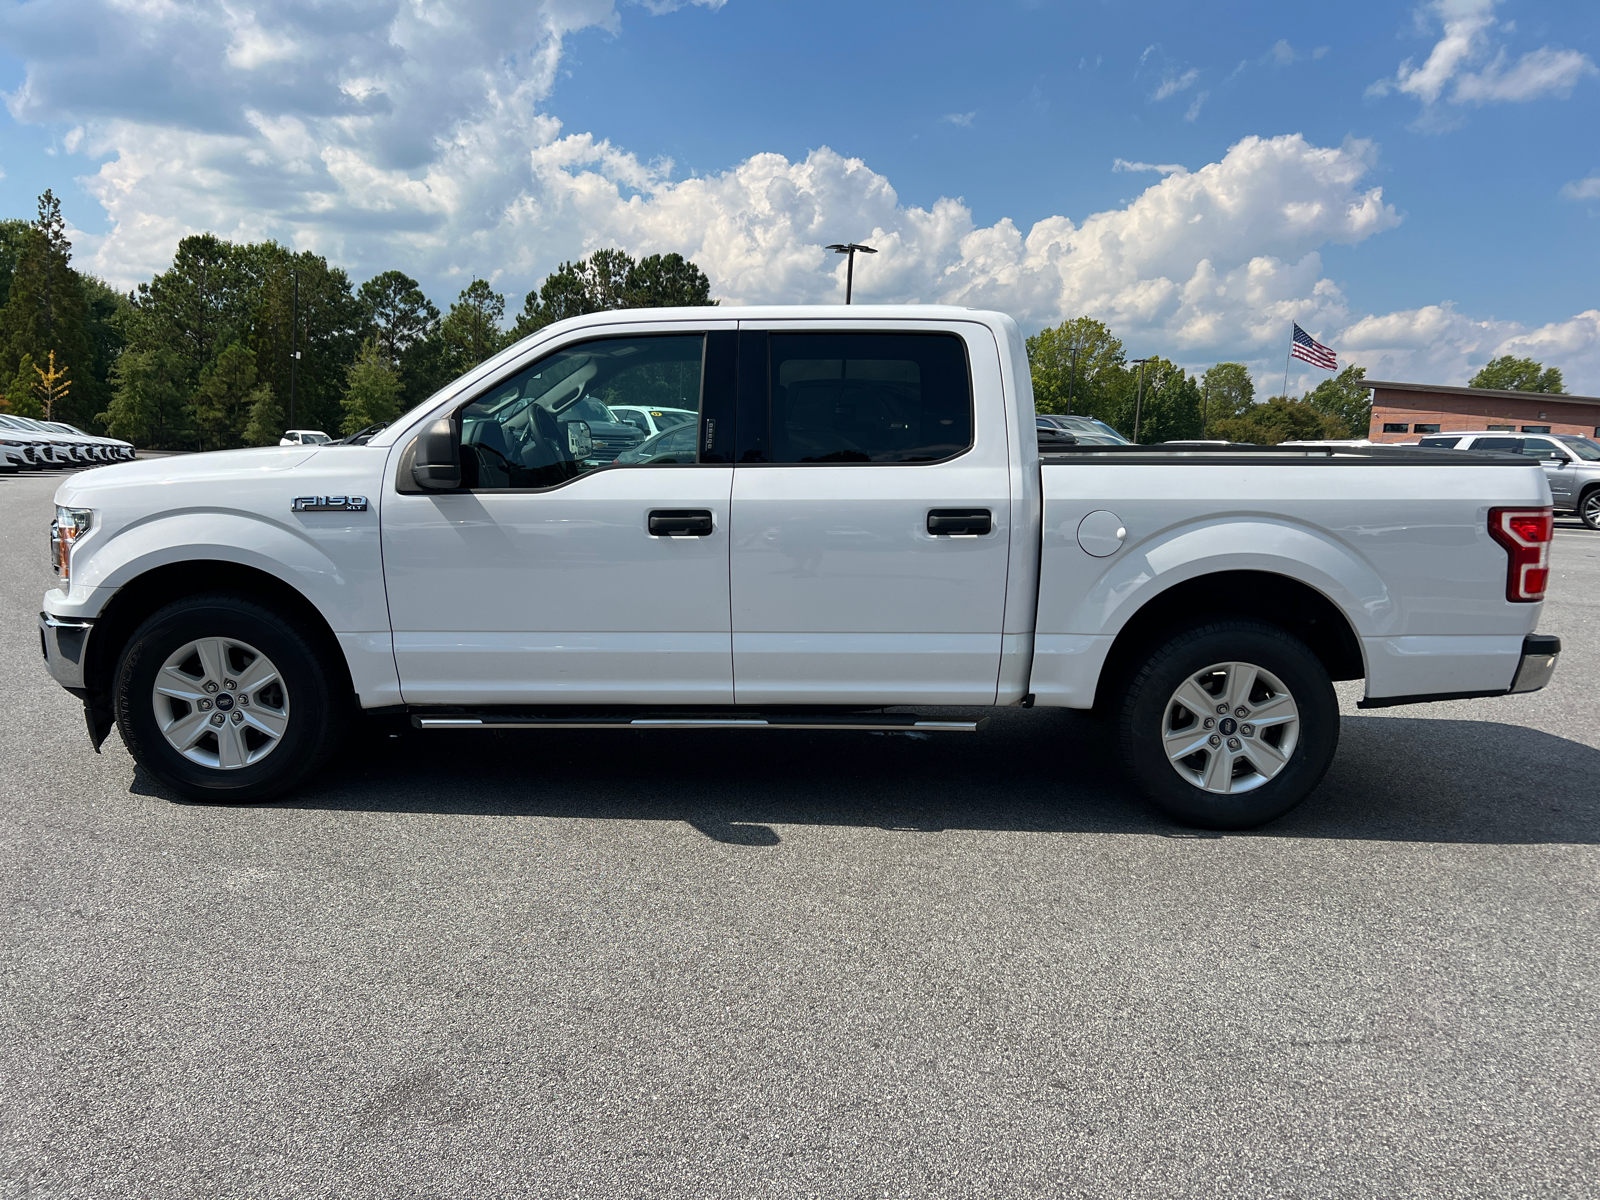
{"x":1045,"y":771}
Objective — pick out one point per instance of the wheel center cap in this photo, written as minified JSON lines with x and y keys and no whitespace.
{"x":224,"y":701}
{"x":1227,"y":726}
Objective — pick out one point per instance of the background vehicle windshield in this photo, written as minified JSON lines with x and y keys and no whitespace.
{"x":1584,"y":448}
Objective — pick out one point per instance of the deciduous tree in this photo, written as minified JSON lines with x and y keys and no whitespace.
{"x":1280,"y":419}
{"x":1517,"y":375}
{"x":1346,"y":400}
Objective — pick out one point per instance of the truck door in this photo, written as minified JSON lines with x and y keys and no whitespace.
{"x":564,"y":571}
{"x":871,"y":512}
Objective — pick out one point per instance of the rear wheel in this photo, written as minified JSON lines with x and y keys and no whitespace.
{"x":1589,"y":508}
{"x":1228,"y":724}
{"x":224,"y":700}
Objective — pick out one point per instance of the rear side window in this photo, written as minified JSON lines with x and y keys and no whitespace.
{"x":1503,"y":445}
{"x":1441,"y":443}
{"x":843,"y":398}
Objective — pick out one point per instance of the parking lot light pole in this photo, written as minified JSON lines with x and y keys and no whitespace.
{"x":1138,"y":396}
{"x":850,"y":249}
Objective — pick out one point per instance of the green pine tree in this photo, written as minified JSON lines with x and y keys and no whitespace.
{"x":372,"y":392}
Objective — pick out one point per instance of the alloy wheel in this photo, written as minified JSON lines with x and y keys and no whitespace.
{"x":221,"y":703}
{"x":1230,"y":728}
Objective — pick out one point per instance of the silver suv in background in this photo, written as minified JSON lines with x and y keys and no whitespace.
{"x":1571,"y":464}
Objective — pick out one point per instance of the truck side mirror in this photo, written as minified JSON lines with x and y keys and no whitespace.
{"x":437,"y":466}
{"x":580,"y":440}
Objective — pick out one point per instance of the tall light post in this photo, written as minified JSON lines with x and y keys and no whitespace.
{"x":294,"y":344}
{"x":851,"y":249}
{"x":1138,"y":397}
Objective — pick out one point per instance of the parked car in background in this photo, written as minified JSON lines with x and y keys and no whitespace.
{"x":304,"y":437}
{"x":651,"y":421}
{"x":1571,"y":463}
{"x":49,"y":448}
{"x":675,"y":445}
{"x":110,"y":449}
{"x":1073,"y":423}
{"x":610,"y":434}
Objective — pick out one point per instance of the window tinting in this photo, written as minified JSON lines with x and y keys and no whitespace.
{"x":1397,"y":429}
{"x":1441,"y":443}
{"x":1540,"y":448}
{"x":1501,"y":444}
{"x":1582,"y":447}
{"x":553,"y":421}
{"x":868,"y":397}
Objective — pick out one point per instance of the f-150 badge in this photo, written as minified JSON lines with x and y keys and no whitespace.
{"x":328,"y":504}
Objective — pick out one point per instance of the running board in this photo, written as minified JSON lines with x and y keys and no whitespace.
{"x":882,"y":723}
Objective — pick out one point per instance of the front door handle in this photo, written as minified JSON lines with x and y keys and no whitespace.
{"x":960,"y":521}
{"x":680,"y":522}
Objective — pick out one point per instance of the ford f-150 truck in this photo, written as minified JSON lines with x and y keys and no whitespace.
{"x":863,"y":523}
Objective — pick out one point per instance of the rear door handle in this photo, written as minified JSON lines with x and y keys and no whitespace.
{"x":960,"y":520}
{"x":680,"y":522}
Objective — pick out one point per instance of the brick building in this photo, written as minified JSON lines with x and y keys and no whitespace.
{"x":1401,"y":411}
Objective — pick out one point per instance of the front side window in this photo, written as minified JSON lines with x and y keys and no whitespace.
{"x":1583,"y":448}
{"x":554,"y":420}
{"x":1541,"y":448}
{"x":843,"y":398}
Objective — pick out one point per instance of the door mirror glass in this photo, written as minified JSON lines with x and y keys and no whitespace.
{"x":437,"y":465}
{"x":580,"y":441}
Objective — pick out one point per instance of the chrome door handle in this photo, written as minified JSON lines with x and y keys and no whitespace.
{"x":680,"y":522}
{"x":960,"y":521}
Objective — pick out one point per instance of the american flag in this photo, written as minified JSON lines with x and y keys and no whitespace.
{"x":1312,"y":351}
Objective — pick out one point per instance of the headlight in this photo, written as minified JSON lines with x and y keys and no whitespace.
{"x":70,"y":525}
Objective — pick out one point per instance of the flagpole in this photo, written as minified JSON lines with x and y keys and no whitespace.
{"x":1286,"y":358}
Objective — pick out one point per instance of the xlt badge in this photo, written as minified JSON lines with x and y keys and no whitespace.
{"x":328,"y":504}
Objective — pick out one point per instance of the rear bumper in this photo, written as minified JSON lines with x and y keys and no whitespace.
{"x":66,"y":644}
{"x":1534,"y":669}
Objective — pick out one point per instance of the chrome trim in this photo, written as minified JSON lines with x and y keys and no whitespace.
{"x":869,"y":726}
{"x":1539,"y":655}
{"x":65,"y":643}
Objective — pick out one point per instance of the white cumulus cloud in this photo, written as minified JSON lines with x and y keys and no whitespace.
{"x":1467,"y":41}
{"x":417,"y":134}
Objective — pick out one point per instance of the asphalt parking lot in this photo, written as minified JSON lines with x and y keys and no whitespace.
{"x":839,"y":965}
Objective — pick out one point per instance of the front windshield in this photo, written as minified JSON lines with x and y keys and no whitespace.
{"x":591,"y":411}
{"x":1584,"y":448}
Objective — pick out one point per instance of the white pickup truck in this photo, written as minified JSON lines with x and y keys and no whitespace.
{"x":861,"y":521}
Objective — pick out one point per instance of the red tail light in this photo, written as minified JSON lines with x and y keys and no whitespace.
{"x":1526,"y":534}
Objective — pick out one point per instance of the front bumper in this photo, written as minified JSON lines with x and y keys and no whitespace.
{"x":66,"y":646}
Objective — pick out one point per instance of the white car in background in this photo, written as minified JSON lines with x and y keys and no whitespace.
{"x":304,"y":437}
{"x":651,"y":421}
{"x":48,"y":448}
{"x":112,"y":449}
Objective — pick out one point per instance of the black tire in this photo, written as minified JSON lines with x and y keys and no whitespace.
{"x":317,"y":704}
{"x":1180,"y":656}
{"x":1589,"y":509}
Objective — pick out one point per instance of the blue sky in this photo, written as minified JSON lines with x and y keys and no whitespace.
{"x":496,"y":140}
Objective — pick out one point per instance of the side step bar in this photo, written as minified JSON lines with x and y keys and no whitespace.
{"x":877,"y":723}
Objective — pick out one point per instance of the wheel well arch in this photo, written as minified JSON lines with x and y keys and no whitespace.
{"x":1280,"y":600}
{"x":143,"y":595}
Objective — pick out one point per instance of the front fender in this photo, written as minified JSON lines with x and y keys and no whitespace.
{"x":330,"y":558}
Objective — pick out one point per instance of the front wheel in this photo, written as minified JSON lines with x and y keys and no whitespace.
{"x":1229,"y":724}
{"x":224,"y":700}
{"x":1589,"y":509}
